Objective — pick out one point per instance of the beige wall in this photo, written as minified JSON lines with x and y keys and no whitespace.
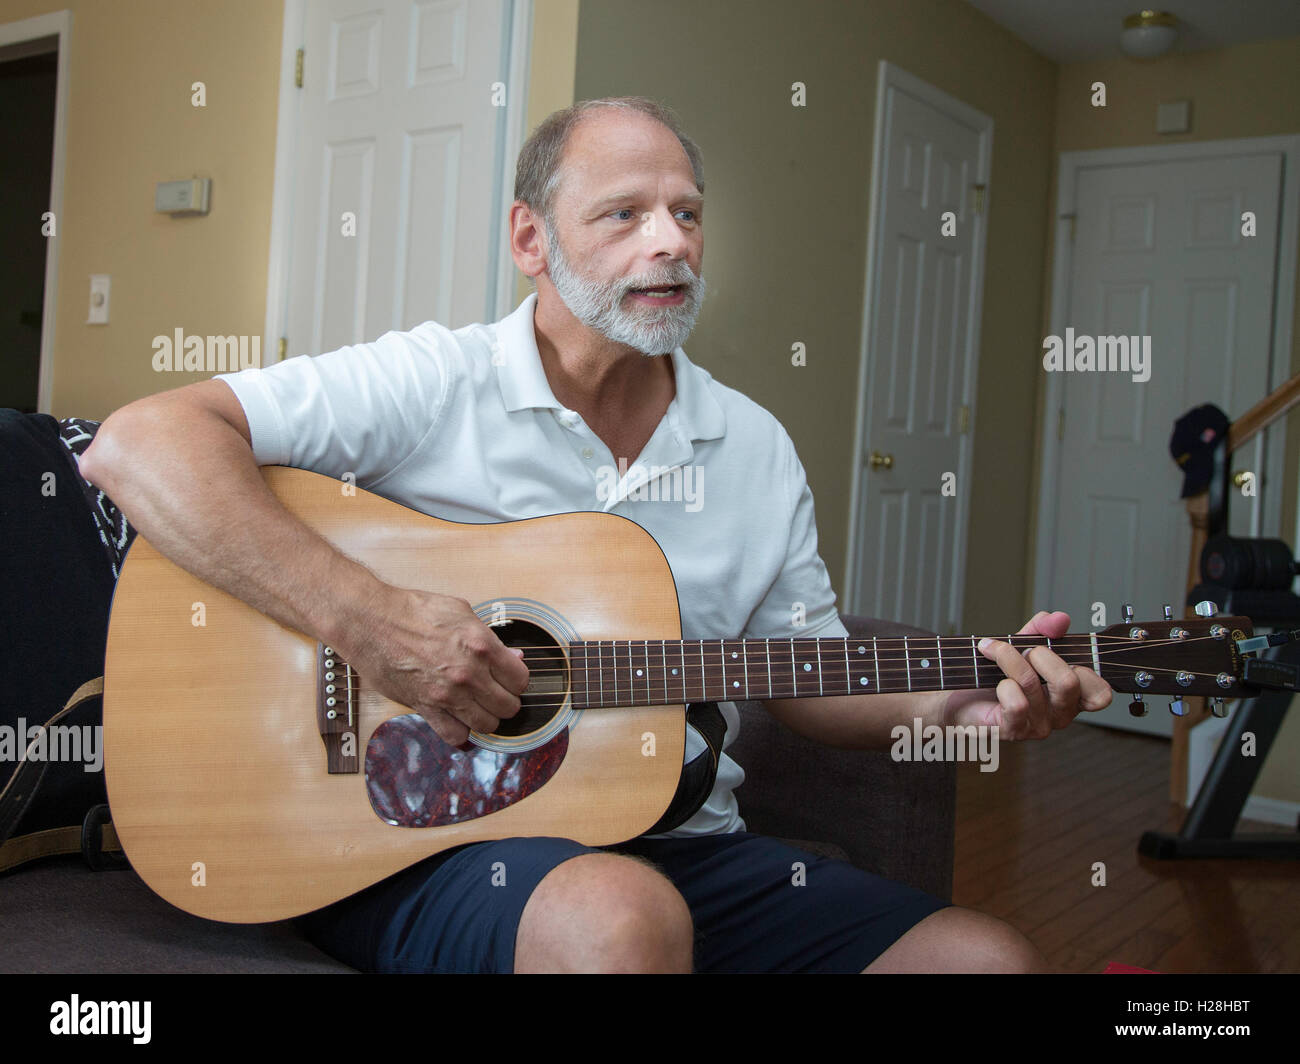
{"x":130,"y":125}
{"x":1250,"y":90}
{"x":786,"y":219}
{"x":551,"y":67}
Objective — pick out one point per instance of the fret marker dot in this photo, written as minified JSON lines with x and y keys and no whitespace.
{"x":638,"y":672}
{"x":735,"y":683}
{"x":862,"y":650}
{"x":925,"y":663}
{"x":674,"y":672}
{"x":734,"y":654}
{"x":863,"y":681}
{"x":807,"y":668}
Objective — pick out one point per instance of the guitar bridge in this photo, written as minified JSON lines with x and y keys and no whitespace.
{"x":337,"y":711}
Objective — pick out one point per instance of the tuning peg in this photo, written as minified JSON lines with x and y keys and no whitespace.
{"x":1218,"y":708}
{"x":1169,"y":612}
{"x":1177,"y":708}
{"x":1128,"y":612}
{"x":1137,"y":707}
{"x":1206,"y":608}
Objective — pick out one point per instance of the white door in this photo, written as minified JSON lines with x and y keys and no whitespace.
{"x":1158,"y":252}
{"x":911,"y":481}
{"x":398,"y":168}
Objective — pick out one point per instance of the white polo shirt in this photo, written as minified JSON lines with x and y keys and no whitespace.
{"x":463,"y":425}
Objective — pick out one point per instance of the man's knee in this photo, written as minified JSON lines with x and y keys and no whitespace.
{"x":605,"y":913}
{"x":962,"y":940}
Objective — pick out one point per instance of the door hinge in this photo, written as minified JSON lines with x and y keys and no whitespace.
{"x":977,"y":198}
{"x":282,"y":348}
{"x":963,"y":418}
{"x":1072,"y":218}
{"x":297,"y":68}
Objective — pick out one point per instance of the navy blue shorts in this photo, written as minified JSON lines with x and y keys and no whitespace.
{"x":758,"y":906}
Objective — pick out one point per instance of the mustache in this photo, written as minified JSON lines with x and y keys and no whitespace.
{"x":684,"y":276}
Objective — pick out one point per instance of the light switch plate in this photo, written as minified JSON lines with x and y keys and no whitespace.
{"x":98,"y":299}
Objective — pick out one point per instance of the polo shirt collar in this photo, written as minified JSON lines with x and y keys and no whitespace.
{"x":524,"y":385}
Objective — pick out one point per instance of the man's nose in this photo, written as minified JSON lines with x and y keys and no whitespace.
{"x":664,"y":235}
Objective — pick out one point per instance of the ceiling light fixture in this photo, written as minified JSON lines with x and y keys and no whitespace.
{"x":1148,"y":34}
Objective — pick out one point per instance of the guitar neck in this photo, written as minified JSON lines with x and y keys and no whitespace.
{"x":650,"y":672}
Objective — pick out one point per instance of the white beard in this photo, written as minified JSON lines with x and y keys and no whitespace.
{"x":650,"y":330}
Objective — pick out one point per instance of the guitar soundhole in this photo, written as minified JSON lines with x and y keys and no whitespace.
{"x":548,"y":679}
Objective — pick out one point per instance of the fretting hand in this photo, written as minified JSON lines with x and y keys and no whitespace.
{"x":1021,"y":706}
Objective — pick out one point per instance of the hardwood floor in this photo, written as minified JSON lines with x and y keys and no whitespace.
{"x":1030,"y":833}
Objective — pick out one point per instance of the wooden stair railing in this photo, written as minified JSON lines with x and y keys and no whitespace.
{"x":1240,"y":432}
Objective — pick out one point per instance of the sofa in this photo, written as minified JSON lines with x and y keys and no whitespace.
{"x":60,"y":915}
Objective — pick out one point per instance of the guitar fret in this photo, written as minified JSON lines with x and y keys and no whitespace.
{"x":939,"y":655}
{"x":875,"y":653}
{"x":907,"y":663}
{"x":768,"y":652}
{"x":744,"y":650}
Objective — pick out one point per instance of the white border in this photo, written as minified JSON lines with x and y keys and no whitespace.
{"x":1279,"y":368}
{"x":891,"y":76}
{"x":58,"y":24}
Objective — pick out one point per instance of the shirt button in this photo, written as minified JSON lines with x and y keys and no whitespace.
{"x":587,"y":452}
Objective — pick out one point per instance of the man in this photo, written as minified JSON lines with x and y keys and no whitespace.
{"x":515,"y":420}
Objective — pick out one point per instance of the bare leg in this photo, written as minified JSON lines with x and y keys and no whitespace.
{"x":605,"y":913}
{"x":961,"y":940}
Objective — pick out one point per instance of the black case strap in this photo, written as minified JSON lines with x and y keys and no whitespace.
{"x":698,"y":774}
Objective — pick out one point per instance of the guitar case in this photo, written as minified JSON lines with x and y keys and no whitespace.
{"x":63,"y":544}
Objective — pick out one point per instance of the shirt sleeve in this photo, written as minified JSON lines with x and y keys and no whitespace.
{"x":800,"y":602}
{"x":361,"y":409}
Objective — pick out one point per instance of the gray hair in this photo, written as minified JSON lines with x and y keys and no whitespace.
{"x":537,"y":173}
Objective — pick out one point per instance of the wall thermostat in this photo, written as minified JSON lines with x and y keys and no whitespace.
{"x":183,"y":197}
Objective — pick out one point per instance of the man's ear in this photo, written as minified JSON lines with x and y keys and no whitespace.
{"x":528,"y":242}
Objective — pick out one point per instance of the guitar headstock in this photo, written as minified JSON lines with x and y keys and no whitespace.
{"x":1176,"y":657}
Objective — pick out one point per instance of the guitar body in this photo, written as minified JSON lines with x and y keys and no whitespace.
{"x":217,"y":770}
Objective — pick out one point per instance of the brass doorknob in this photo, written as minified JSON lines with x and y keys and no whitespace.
{"x":881,"y":461}
{"x":1239,"y":477}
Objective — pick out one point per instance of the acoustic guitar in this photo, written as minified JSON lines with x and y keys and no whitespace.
{"x":254,"y":776}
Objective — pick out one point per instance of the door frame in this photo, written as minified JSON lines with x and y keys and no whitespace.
{"x":1265,"y":514}
{"x":889,"y":75}
{"x":518,"y":15}
{"x":55,"y":24}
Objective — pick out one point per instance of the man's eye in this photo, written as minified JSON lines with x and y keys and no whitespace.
{"x":623,"y":210}
{"x":686,"y":210}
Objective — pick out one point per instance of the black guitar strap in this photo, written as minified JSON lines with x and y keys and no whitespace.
{"x":699,"y":773}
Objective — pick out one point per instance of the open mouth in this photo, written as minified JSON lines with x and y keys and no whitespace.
{"x":665,"y":291}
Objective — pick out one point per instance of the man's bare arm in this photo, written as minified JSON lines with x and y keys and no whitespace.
{"x":180,"y":465}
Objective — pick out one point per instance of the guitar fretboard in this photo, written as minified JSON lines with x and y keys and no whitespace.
{"x":641,"y":672}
